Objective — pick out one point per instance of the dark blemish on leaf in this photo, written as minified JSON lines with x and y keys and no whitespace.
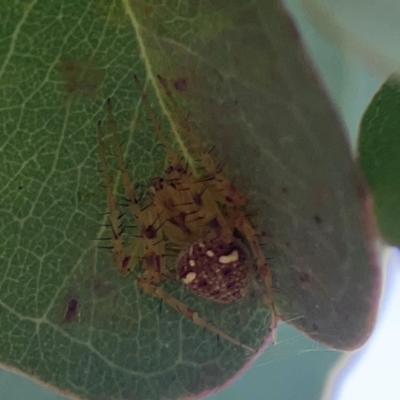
{"x":288,"y":245}
{"x":147,"y":9}
{"x":304,"y":277}
{"x":181,"y":84}
{"x":81,"y":77}
{"x":71,"y":310}
{"x":317,"y":219}
{"x":20,"y":187}
{"x":284,"y":190}
{"x":315,"y":326}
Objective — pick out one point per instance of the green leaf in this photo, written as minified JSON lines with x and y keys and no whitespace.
{"x":67,"y":317}
{"x":378,"y":150}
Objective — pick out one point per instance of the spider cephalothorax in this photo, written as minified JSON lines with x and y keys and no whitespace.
{"x":200,"y":216}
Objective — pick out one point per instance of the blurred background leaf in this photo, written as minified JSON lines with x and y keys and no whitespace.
{"x":378,"y":153}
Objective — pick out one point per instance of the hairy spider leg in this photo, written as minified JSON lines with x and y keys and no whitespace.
{"x":177,"y":205}
{"x":149,"y":244}
{"x":113,"y":212}
{"x":226,"y":193}
{"x":189,"y":313}
{"x":243,"y":226}
{"x":191,"y":213}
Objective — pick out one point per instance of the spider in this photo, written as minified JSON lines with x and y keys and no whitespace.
{"x":201,"y":215}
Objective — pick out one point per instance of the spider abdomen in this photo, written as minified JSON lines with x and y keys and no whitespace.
{"x":215,"y":270}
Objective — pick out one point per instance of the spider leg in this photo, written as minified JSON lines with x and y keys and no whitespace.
{"x":247,"y":230}
{"x":113,"y":212}
{"x":143,"y":248}
{"x":126,"y":180}
{"x":187,"y":312}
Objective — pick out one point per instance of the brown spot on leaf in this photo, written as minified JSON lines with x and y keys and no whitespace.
{"x":81,"y":77}
{"x":304,"y":277}
{"x":181,"y":84}
{"x":71,"y":310}
{"x":147,"y":9}
{"x":317,"y":219}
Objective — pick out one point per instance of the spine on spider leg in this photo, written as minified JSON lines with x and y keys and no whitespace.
{"x":113,"y":214}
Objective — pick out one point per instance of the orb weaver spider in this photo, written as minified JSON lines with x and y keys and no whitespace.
{"x":201,"y":216}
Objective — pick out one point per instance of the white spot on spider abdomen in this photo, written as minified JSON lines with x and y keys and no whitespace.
{"x":189,"y":278}
{"x":229,"y":258}
{"x":215,"y":270}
